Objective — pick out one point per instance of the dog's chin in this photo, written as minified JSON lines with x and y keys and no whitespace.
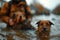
{"x":44,"y":31}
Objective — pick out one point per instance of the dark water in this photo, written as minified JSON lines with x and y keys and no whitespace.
{"x":31,"y":34}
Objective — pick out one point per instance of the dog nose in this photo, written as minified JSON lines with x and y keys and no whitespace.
{"x":44,"y":29}
{"x":20,"y":17}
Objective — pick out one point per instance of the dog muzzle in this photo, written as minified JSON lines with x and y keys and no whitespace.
{"x":44,"y":29}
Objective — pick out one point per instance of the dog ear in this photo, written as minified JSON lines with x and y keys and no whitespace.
{"x":38,"y":22}
{"x":51,"y":23}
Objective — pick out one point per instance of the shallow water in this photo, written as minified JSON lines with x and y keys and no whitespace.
{"x":31,"y":34}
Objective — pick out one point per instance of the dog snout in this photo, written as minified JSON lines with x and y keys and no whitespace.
{"x":45,"y":29}
{"x":20,"y":17}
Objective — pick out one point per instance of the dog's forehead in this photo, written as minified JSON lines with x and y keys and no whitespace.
{"x":44,"y":21}
{"x":19,"y":13}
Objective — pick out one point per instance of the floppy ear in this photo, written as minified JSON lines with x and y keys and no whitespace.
{"x":51,"y":23}
{"x":38,"y":22}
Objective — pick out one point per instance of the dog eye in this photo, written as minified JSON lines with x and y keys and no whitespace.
{"x":47,"y":24}
{"x":14,"y":15}
{"x":41,"y":24}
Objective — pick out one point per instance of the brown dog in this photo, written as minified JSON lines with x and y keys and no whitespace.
{"x":18,"y":13}
{"x":44,"y":29}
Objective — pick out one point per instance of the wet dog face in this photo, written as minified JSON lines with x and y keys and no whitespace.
{"x":44,"y":26}
{"x":19,"y":17}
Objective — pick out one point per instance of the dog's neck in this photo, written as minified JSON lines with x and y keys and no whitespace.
{"x":43,"y":35}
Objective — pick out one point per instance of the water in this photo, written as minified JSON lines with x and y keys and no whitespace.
{"x":55,"y":29}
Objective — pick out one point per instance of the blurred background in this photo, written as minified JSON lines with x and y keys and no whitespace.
{"x":41,"y":10}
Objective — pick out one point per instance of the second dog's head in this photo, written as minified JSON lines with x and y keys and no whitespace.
{"x":44,"y":25}
{"x":19,"y":17}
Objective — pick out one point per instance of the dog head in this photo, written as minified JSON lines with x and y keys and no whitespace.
{"x":19,"y":17}
{"x":44,"y":25}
